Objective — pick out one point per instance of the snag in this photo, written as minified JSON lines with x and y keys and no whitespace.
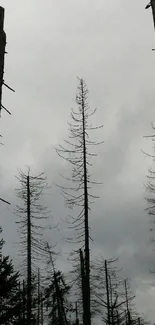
{"x":152,"y":5}
{"x":2,"y":56}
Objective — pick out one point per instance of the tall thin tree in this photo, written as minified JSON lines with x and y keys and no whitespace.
{"x":2,"y":56}
{"x":78,"y":155}
{"x":32,"y":215}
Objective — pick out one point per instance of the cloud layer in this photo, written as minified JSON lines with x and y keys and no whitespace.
{"x":109,"y":45}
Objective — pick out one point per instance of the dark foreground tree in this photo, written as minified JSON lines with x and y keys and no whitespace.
{"x":56,"y":295}
{"x":10,"y":303}
{"x":56,"y":300}
{"x":79,"y":194}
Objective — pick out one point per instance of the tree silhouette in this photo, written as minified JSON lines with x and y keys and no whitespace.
{"x":32,"y":215}
{"x":79,"y":195}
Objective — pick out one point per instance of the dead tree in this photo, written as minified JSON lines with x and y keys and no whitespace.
{"x":129,"y":306}
{"x":112,"y":297}
{"x":115,"y":296}
{"x":2,"y":51}
{"x":32,"y":215}
{"x":56,"y":295}
{"x":2,"y":56}
{"x":78,"y":195}
{"x":150,"y":189}
{"x":109,"y":292}
{"x":128,"y":313}
{"x":40,"y":299}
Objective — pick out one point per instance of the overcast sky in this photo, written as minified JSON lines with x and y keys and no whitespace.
{"x":109,"y":44}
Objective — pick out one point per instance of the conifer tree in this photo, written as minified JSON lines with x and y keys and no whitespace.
{"x":10,"y":303}
{"x":56,"y":295}
{"x":76,"y":152}
{"x":32,"y":216}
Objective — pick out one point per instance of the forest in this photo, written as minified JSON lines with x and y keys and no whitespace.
{"x":39,"y":292}
{"x":93,"y":289}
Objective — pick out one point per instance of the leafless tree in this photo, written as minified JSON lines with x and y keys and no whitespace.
{"x":76,"y":152}
{"x":56,"y":294}
{"x":150,"y":189}
{"x":113,"y":295}
{"x":2,"y":56}
{"x":32,"y":216}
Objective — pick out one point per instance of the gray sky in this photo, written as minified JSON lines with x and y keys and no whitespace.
{"x":108,"y":43}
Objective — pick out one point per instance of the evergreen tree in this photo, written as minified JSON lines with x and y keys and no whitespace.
{"x":9,"y":290}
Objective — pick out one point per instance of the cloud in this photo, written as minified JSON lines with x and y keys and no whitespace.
{"x":109,"y":44}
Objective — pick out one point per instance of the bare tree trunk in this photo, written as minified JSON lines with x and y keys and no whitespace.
{"x":38,"y":297}
{"x":24,"y":303}
{"x":77,"y":318}
{"x":2,"y":52}
{"x":2,"y":59}
{"x":127,"y":303}
{"x":87,"y":252}
{"x":28,"y":254}
{"x":83,"y":284}
{"x":111,"y":302}
{"x":107,"y":292}
{"x":63,"y":312}
{"x":60,"y":316}
{"x":42,"y":311}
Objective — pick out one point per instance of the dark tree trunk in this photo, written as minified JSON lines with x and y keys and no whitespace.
{"x":107,"y":292}
{"x":28,"y":254}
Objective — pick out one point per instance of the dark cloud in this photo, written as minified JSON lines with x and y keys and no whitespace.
{"x":109,"y":44}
